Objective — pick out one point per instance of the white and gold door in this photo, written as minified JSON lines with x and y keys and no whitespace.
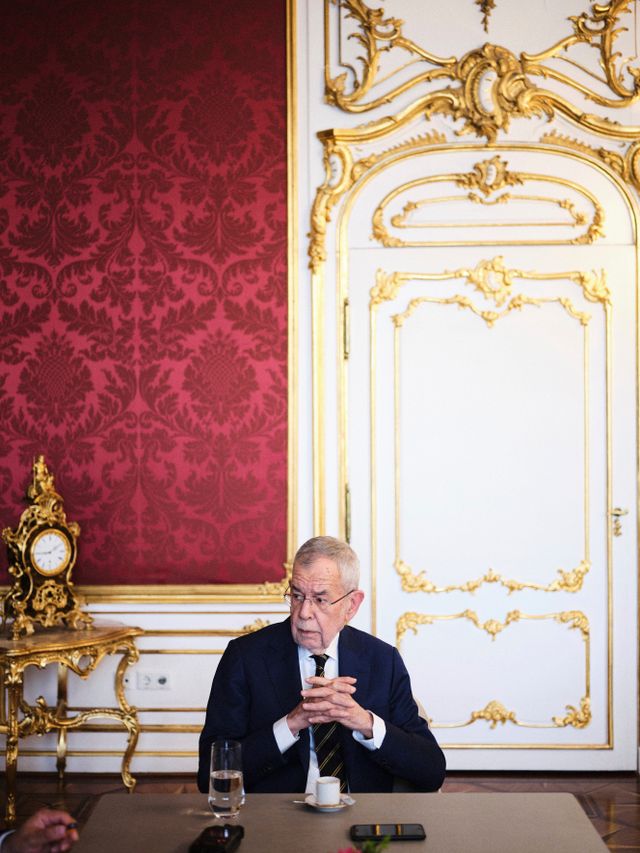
{"x":474,"y":314}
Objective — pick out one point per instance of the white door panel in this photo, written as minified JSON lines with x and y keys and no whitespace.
{"x":477,"y":311}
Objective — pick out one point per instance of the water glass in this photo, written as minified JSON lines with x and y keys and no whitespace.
{"x":226,"y":789}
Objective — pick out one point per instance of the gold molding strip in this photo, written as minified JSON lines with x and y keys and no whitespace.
{"x":181,"y":651}
{"x":267,"y":592}
{"x":107,"y":753}
{"x":579,"y":717}
{"x":292,"y":286}
{"x":174,"y":728}
{"x":149,"y":710}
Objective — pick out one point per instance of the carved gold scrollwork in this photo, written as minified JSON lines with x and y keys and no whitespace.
{"x":327,"y":196}
{"x":484,"y":184}
{"x":495,"y":712}
{"x":256,"y":625}
{"x":627,"y":166}
{"x":338,"y":160}
{"x":517,"y":303}
{"x":494,"y":90}
{"x":49,"y":598}
{"x":494,"y":280}
{"x":278,"y":587}
{"x":490,"y":85}
{"x":489,"y":176}
{"x":486,"y":7}
{"x":567,"y":581}
{"x":579,"y":718}
{"x":375,"y":35}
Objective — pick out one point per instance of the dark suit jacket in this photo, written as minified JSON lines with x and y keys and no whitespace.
{"x":258,"y":682}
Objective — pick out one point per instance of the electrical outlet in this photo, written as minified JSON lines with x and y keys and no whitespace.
{"x":153,"y":681}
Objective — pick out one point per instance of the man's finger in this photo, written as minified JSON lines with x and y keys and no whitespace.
{"x":322,"y":680}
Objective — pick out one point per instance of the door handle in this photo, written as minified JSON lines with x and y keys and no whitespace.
{"x":617,"y":512}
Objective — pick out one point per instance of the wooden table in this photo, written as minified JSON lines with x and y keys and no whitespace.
{"x":80,"y":651}
{"x":473,"y":823}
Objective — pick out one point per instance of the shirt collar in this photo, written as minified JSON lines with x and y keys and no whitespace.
{"x":331,"y":650}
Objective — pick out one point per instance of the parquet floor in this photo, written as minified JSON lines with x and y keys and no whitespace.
{"x":611,"y":800}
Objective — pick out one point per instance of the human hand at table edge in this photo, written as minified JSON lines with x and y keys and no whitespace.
{"x":46,"y":831}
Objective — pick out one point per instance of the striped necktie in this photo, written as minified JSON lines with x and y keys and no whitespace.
{"x":326,"y":737}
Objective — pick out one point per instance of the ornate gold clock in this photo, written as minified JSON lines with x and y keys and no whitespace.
{"x":42,"y":553}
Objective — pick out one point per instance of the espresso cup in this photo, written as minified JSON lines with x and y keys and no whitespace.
{"x":328,"y":791}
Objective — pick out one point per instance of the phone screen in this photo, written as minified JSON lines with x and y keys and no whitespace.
{"x":395,"y":831}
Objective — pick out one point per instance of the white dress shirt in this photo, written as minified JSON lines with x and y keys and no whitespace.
{"x":282,"y":733}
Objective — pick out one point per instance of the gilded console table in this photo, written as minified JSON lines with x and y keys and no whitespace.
{"x":79,"y":651}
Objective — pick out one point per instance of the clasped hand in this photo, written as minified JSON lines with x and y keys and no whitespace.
{"x":330,"y":700}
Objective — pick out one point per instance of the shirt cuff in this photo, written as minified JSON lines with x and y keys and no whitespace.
{"x":379,"y":731}
{"x":282,"y":733}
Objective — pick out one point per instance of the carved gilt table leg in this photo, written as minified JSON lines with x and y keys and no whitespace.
{"x":129,"y":714}
{"x":61,"y":713}
{"x":13,"y":687}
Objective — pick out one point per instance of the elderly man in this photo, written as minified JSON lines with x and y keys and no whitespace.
{"x":312,"y":696}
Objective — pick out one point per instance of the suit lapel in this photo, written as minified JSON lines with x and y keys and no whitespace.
{"x":281,"y":662}
{"x":354,"y":661}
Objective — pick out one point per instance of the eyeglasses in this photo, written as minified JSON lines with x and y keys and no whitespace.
{"x":320,"y":602}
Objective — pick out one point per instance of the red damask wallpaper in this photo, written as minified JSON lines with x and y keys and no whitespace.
{"x":143,"y":281}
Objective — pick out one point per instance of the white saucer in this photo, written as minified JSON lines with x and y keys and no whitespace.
{"x":345,"y":802}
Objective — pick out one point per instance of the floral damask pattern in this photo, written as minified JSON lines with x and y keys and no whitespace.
{"x":143,"y":282}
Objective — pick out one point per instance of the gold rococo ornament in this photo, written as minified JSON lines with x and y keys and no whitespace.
{"x":42,"y":552}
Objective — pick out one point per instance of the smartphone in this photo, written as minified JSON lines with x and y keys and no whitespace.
{"x":218,"y":839}
{"x":395,"y":831}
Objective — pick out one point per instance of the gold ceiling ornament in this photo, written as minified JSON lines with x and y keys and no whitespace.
{"x":42,"y":553}
{"x":490,"y":85}
{"x":486,"y":7}
{"x":566,"y":581}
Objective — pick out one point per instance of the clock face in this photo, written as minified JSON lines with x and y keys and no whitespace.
{"x":50,"y":552}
